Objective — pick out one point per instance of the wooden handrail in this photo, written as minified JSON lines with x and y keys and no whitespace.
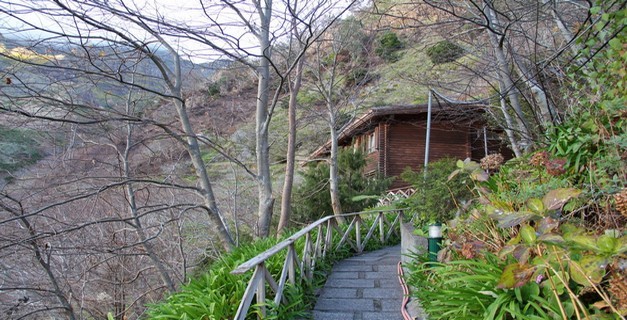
{"x":313,"y":249}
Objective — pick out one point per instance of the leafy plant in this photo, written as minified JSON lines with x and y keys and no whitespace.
{"x":213,"y":89}
{"x":468,"y":289}
{"x":540,"y":246}
{"x":357,"y":76}
{"x":18,"y":148}
{"x":593,"y":139}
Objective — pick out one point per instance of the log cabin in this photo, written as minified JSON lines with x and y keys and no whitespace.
{"x":393,"y":138}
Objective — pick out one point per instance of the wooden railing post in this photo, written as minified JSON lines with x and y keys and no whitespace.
{"x":346,"y":234}
{"x":290,"y":268}
{"x":261,"y":292}
{"x":358,"y":234}
{"x":328,"y":242}
{"x":317,"y":251}
{"x":381,"y":227}
{"x":242,"y":310}
{"x":306,"y":264}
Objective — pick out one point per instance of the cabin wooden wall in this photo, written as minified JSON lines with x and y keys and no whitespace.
{"x":402,"y":144}
{"x":406,"y":146}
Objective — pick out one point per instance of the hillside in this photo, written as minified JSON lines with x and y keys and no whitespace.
{"x":121,"y":176}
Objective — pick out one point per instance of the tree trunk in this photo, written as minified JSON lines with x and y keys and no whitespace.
{"x":201,"y":172}
{"x":568,"y":36}
{"x":286,"y":199}
{"x":42,"y":255}
{"x":508,"y":126}
{"x":264,"y":180}
{"x":334,"y":183}
{"x":506,"y":85}
{"x":174,"y":81}
{"x":539,"y":95}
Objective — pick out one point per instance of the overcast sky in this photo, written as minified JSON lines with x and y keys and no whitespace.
{"x":187,"y":11}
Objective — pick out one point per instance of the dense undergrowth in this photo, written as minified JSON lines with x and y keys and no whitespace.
{"x":526,"y":250}
{"x":216,"y":293}
{"x":544,"y":235}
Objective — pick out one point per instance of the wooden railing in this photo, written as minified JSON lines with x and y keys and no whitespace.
{"x":299,"y":268}
{"x":396,"y":194}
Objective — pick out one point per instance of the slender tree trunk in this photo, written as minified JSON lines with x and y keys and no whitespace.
{"x":42,"y":255}
{"x":506,"y":84}
{"x":264,"y":179}
{"x":286,"y":199}
{"x":43,"y":258}
{"x":201,"y":172}
{"x":568,"y":36}
{"x":334,"y":182}
{"x":539,"y":95}
{"x":174,"y":81}
{"x":508,"y":126}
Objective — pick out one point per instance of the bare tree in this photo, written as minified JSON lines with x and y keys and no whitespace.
{"x":337,"y":76}
{"x":102,"y":227}
{"x":294,"y":83}
{"x":275,"y":22}
{"x":83,"y":23}
{"x":309,"y":21}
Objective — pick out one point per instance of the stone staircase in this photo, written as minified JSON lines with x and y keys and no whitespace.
{"x":363,"y":287}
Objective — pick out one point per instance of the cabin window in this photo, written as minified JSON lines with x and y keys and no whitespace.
{"x":358,"y":144}
{"x":372,"y":142}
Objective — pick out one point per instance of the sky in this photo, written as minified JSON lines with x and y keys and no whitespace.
{"x":182,"y":11}
{"x":187,"y":11}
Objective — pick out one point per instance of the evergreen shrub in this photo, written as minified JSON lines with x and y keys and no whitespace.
{"x":312,"y":199}
{"x":444,"y":51}
{"x":388,"y":46}
{"x":436,"y":198}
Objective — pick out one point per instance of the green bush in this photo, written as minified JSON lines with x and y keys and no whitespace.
{"x":517,"y":255}
{"x":436,"y":198}
{"x":593,"y":138}
{"x":312,"y":199}
{"x":356,"y":76}
{"x":535,"y":244}
{"x":213,"y":89}
{"x":215,"y":294}
{"x":444,"y":51}
{"x":388,"y":46}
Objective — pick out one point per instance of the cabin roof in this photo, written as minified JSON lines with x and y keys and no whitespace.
{"x":374,"y":115}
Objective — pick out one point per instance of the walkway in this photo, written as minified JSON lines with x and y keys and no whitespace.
{"x":363,"y":287}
